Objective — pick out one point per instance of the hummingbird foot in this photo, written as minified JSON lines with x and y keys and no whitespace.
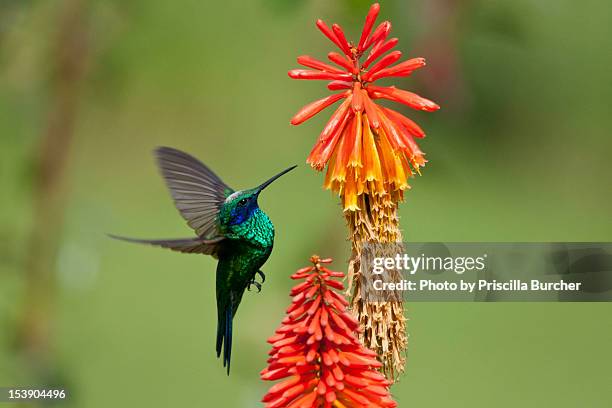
{"x":261,"y":274}
{"x":254,"y":283}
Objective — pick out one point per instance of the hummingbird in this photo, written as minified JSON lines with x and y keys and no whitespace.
{"x":229,"y":225}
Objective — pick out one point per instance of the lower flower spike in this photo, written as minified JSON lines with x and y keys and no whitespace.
{"x":316,"y":353}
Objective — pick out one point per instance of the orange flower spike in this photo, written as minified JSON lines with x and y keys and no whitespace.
{"x":369,"y":152}
{"x":353,"y":77}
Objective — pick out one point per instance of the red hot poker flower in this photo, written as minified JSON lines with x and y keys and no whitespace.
{"x":316,"y":352}
{"x":368,"y":148}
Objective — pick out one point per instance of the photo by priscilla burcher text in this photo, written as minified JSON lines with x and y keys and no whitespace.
{"x":487,"y":272}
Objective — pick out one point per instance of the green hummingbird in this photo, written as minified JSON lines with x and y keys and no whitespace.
{"x":229,"y":225}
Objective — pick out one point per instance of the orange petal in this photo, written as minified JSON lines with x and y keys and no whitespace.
{"x":341,"y":61}
{"x":370,"y":157}
{"x":401,"y":180}
{"x":392,"y":132}
{"x":355,"y":157}
{"x":379,"y":50}
{"x":383,"y":63}
{"x":339,"y":172}
{"x":410,"y":126}
{"x":402,"y":69}
{"x":328,"y":33}
{"x":407,"y":98}
{"x":314,"y":74}
{"x":312,"y":62}
{"x":334,"y":125}
{"x":315,"y":107}
{"x":387,"y":159}
{"x":341,"y":39}
{"x":327,"y":184}
{"x":370,"y":109}
{"x":339,"y":85}
{"x":350,"y":194}
{"x":381,"y":33}
{"x":357,"y":98}
{"x":330,"y":135}
{"x":367,"y":26}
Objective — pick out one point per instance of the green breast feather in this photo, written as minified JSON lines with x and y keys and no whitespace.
{"x":256,"y":229}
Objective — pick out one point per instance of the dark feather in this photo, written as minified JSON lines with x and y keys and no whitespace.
{"x":224,"y":334}
{"x":186,"y":245}
{"x":198,"y":193}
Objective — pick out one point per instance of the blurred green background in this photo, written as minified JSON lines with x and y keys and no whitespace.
{"x":520,"y":151}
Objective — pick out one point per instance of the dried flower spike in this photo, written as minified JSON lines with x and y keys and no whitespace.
{"x":370,"y":152}
{"x":316,"y":353}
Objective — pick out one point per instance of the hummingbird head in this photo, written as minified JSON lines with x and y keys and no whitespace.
{"x":241,"y":205}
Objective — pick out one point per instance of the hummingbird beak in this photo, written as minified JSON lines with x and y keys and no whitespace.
{"x":267,"y":183}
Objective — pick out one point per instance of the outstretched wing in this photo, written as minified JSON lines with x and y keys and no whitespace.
{"x":186,"y":245}
{"x":198,"y":193}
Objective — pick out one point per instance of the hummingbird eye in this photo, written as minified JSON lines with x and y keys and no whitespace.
{"x":242,"y":202}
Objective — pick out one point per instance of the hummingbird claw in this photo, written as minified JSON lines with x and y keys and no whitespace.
{"x":256,"y":284}
{"x":263,"y":277}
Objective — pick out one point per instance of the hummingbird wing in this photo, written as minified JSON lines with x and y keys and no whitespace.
{"x":185,"y":245}
{"x":198,"y":193}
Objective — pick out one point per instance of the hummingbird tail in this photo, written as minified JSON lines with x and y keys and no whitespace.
{"x":186,"y":245}
{"x":224,"y":335}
